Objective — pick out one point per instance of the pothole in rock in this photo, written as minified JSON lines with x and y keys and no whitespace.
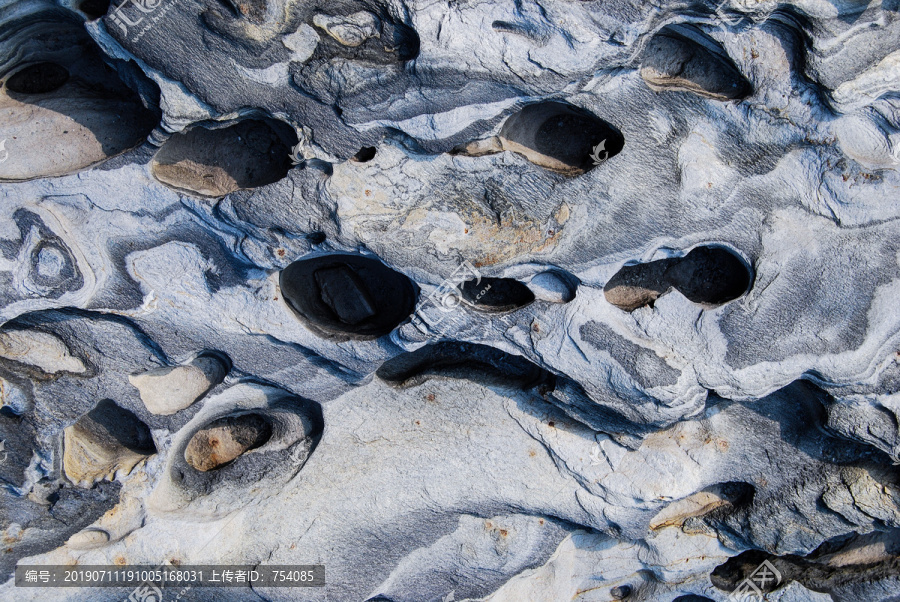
{"x":561,"y":137}
{"x":347,"y":296}
{"x":365,"y":154}
{"x":40,"y":78}
{"x":675,"y":59}
{"x":94,"y":9}
{"x":451,"y":359}
{"x":225,"y":439}
{"x":708,"y":275}
{"x":64,"y":108}
{"x":496,"y":295}
{"x":214,"y":161}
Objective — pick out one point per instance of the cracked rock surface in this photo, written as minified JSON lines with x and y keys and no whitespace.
{"x":505,"y":301}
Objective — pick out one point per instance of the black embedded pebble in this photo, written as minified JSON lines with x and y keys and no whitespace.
{"x":707,"y":275}
{"x":452,"y":359}
{"x":710,"y":275}
{"x":496,"y":294}
{"x":561,"y":137}
{"x":673,"y":61}
{"x":347,"y":296}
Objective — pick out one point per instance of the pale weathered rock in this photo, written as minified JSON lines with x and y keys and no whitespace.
{"x":168,"y":389}
{"x":351,"y":30}
{"x":225,"y":439}
{"x":107,"y":440}
{"x":553,"y":287}
{"x":62,"y":108}
{"x":88,"y":539}
{"x":39,"y":349}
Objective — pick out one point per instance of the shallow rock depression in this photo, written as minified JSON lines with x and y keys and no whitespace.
{"x":493,"y":301}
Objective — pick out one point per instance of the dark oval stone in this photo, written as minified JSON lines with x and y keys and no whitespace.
{"x":672,"y":61}
{"x":39,"y":78}
{"x":214,"y":162}
{"x":710,"y":275}
{"x":365,"y":154}
{"x":94,"y":8}
{"x":561,"y":137}
{"x":496,"y":294}
{"x":347,"y":296}
{"x":452,"y":359}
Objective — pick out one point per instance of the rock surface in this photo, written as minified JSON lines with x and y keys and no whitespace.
{"x":56,"y":88}
{"x":168,"y":389}
{"x":705,"y":380}
{"x":106,"y":440}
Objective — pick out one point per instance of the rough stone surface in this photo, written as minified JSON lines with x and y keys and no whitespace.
{"x":226,"y":439}
{"x":168,"y":389}
{"x":106,"y":440}
{"x":743,"y":410}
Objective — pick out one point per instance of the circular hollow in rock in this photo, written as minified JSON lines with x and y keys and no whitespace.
{"x":710,"y":275}
{"x":347,"y":296}
{"x":496,"y":294}
{"x":213,"y":162}
{"x":225,"y":439}
{"x":365,"y":154}
{"x":94,"y":8}
{"x":561,"y":137}
{"x":39,"y":78}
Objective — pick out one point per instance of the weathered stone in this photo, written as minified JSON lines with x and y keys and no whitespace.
{"x":553,"y":287}
{"x":560,"y":137}
{"x":39,"y":349}
{"x":225,"y":440}
{"x":672,"y":61}
{"x":168,"y":389}
{"x":496,"y":294}
{"x":706,"y":275}
{"x":347,"y":295}
{"x":351,"y":30}
{"x":62,"y":108}
{"x":107,"y":440}
{"x":215,"y":162}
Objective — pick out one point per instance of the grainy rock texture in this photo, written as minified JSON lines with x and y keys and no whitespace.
{"x":245,"y":251}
